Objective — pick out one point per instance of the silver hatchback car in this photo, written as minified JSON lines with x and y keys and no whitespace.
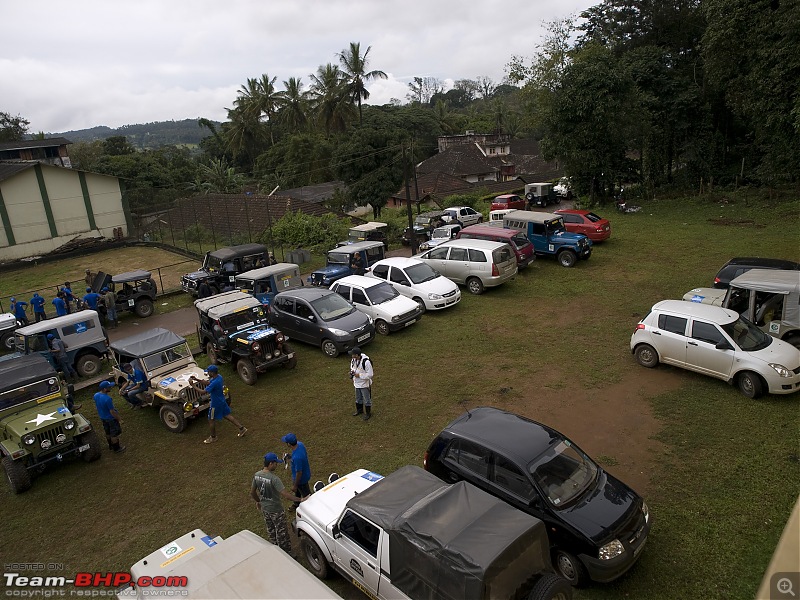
{"x":477,"y":264}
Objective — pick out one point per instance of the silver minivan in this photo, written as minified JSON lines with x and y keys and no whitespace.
{"x":477,"y":264}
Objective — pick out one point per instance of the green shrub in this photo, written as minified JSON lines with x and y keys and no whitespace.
{"x":299,"y":230}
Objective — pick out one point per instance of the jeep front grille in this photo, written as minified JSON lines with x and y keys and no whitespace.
{"x":52,"y":436}
{"x":193,"y":395}
{"x":267,"y":347}
{"x":317,"y":278}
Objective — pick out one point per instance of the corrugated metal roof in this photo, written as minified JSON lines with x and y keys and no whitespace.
{"x":22,"y":144}
{"x":8,"y":168}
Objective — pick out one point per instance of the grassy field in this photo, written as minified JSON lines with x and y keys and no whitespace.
{"x":719,"y":472}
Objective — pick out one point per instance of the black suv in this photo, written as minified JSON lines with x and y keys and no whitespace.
{"x":234,"y":329}
{"x":597,"y":524}
{"x":135,"y":290}
{"x":736,"y":266}
{"x":221,"y":267}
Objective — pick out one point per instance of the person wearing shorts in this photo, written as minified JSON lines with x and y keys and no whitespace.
{"x":218,"y":408}
{"x":112,"y":423}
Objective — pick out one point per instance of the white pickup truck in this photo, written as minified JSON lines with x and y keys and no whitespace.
{"x":410,"y":535}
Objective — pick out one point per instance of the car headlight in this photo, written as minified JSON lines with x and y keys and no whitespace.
{"x":46,"y":444}
{"x":183,"y":394}
{"x":338,"y":332}
{"x":61,"y":438}
{"x":69,"y":424}
{"x":781,"y":370}
{"x":276,"y":353}
{"x":280,"y":338}
{"x":29,"y":439}
{"x":611,"y":550}
{"x":434,"y":296}
{"x":395,"y":318}
{"x":645,"y":511}
{"x":256,"y":347}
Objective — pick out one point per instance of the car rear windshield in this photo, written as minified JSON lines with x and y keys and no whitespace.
{"x":563,"y":473}
{"x":421,"y":273}
{"x":593,"y":217}
{"x":748,"y":337}
{"x":503,"y":254}
{"x":32,"y":391}
{"x":381,"y":293}
{"x":332,"y":307}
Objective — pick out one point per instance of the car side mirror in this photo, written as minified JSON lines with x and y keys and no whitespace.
{"x":723,"y":345}
{"x":312,"y":318}
{"x":335,"y":531}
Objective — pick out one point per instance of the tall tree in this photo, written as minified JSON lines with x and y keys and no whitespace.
{"x":12,"y":129}
{"x":294,"y":103}
{"x":329,"y":97}
{"x":422,"y":89}
{"x":355,"y":68}
{"x":259,"y":99}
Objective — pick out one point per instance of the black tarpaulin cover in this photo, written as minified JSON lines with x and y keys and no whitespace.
{"x":147,"y":342}
{"x":453,"y":541}
{"x":23,"y":370}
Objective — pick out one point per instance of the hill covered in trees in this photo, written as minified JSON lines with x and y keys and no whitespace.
{"x":147,"y":135}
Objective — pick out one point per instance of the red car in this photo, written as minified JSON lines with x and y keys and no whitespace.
{"x":509,"y":201}
{"x":593,"y":226}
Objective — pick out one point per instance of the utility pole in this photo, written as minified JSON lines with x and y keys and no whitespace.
{"x":413,"y":237}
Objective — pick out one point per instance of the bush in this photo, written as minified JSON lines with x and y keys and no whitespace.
{"x":196,"y":233}
{"x":299,"y":230}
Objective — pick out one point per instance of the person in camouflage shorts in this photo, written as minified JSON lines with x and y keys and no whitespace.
{"x":267,"y":490}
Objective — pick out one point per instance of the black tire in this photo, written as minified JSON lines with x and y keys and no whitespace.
{"x":567,"y":258}
{"x":646,"y":356}
{"x":750,"y":384}
{"x":7,"y":341}
{"x":247,"y":371}
{"x":382,"y":327}
{"x":317,"y":563}
{"x":17,"y":475}
{"x":143,"y":308}
{"x":95,"y":449}
{"x":172,"y":418}
{"x":475,"y":286}
{"x":292,"y":362}
{"x":88,"y":365}
{"x":421,"y":304}
{"x":551,"y":587}
{"x":480,"y":220}
{"x":211,"y":353}
{"x":569,"y":567}
{"x":329,"y":348}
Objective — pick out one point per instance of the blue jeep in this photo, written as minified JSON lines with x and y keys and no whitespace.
{"x":265,"y":282}
{"x":340,"y":260}
{"x":549,"y":237}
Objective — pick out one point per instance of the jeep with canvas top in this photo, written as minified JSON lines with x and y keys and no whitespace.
{"x":167,"y":363}
{"x":135,"y":291}
{"x":373,"y":231}
{"x":340,"y":258}
{"x":411,"y":535}
{"x":541,"y":194}
{"x":221,"y":267}
{"x":8,"y":325}
{"x":265,"y":282}
{"x":234,"y":329}
{"x":37,"y":428}
{"x":424,"y":224}
{"x":549,"y":236}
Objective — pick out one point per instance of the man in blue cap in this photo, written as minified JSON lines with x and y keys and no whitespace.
{"x":37,"y":302}
{"x":137,"y":384}
{"x":112,"y":423}
{"x":19,"y":310}
{"x":59,"y":353}
{"x":301,"y":469}
{"x":267,"y":490}
{"x":218,"y":408}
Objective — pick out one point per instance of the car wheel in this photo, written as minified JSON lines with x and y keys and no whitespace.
{"x":646,"y":356}
{"x":172,"y":418}
{"x":382,"y":327}
{"x":95,"y":450}
{"x":750,"y":384}
{"x":247,"y":371}
{"x":480,"y":220}
{"x":550,"y":587}
{"x":567,"y":258}
{"x":17,"y":475}
{"x":317,"y":563}
{"x":211,"y":353}
{"x":569,"y":567}
{"x":330,"y":349}
{"x":7,"y":341}
{"x":87,"y":365}
{"x":292,"y":362}
{"x":475,"y":285}
{"x":143,"y":308}
{"x":421,"y":304}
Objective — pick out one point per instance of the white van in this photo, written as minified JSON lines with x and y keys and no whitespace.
{"x":477,"y":264}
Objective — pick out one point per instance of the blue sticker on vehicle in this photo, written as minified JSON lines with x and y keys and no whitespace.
{"x":370,"y":476}
{"x":697,"y":298}
{"x":80,"y":327}
{"x":257,"y":335}
{"x":62,"y":410}
{"x":206,"y":539}
{"x":166,"y":382}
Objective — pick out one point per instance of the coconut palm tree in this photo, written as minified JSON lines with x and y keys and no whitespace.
{"x":293,"y":104}
{"x":258,"y":98}
{"x":354,"y":65}
{"x":330,"y":98}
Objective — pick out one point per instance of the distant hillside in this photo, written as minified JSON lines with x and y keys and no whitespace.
{"x":148,"y":135}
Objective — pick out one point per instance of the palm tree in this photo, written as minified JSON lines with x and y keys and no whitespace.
{"x":243,"y":134}
{"x":293,"y":101}
{"x":354,"y":66}
{"x":258,"y":98}
{"x":330,"y":98}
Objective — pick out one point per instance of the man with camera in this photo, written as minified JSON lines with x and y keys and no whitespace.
{"x":361,"y":373}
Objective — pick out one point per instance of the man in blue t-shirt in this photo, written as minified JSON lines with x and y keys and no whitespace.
{"x":37,"y":302}
{"x":69,"y":298}
{"x":112,"y":423}
{"x":218,"y":408}
{"x":19,"y":310}
{"x":301,"y":469}
{"x":60,"y":304}
{"x":136,"y":384}
{"x":91,"y":299}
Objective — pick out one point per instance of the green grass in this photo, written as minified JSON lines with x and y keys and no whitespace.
{"x":719,"y":472}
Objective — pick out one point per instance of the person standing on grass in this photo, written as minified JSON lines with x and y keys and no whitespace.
{"x":91,"y":299}
{"x":112,"y":422}
{"x":218,"y":408}
{"x":89,"y":278}
{"x":301,"y":469}
{"x":361,"y":373}
{"x":59,"y":353}
{"x":267,"y":490}
{"x":20,"y":310}
{"x":109,"y":300}
{"x":68,"y":297}
{"x":60,"y":304}
{"x":37,"y":302}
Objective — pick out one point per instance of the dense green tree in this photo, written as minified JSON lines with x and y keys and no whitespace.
{"x":12,"y":128}
{"x":355,"y":67}
{"x":330,"y":99}
{"x":294,"y":105}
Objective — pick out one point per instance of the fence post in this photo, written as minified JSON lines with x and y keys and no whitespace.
{"x":160,"y":281}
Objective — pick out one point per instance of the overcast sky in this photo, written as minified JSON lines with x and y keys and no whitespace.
{"x":78,"y":64}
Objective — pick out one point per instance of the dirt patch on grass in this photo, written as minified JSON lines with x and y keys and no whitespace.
{"x":729,"y":222}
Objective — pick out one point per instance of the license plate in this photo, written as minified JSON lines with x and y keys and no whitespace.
{"x":411,"y":322}
{"x":290,"y":355}
{"x":130,"y":302}
{"x":84,"y":447}
{"x":363,"y":337}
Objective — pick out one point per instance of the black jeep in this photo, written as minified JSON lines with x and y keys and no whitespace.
{"x":221,"y":267}
{"x":135,"y":290}
{"x":234,"y":329}
{"x":424,"y":224}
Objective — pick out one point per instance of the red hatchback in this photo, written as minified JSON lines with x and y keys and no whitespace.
{"x":509,"y":201}
{"x":593,"y":226}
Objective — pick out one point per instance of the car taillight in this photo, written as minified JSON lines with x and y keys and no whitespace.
{"x":638,"y":327}
{"x":716,"y":280}
{"x":425,"y":460}
{"x":495,"y":271}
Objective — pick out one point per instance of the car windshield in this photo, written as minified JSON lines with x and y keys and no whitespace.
{"x":381,"y":293}
{"x":420,"y":273}
{"x":212,"y":263}
{"x":555,"y":225}
{"x":563,"y":473}
{"x":338,"y":258}
{"x":441,"y":232}
{"x":332,"y":307}
{"x":243,"y":319}
{"x":747,"y":335}
{"x":165,"y":357}
{"x":32,"y":391}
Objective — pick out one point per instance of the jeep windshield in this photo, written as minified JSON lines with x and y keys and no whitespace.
{"x":332,"y":307}
{"x":747,"y":335}
{"x":32,"y":391}
{"x":176,"y":353}
{"x":555,"y":226}
{"x":421,"y":273}
{"x":212,"y":263}
{"x":243,"y":319}
{"x":563,"y":473}
{"x":338,"y":258}
{"x":381,"y":293}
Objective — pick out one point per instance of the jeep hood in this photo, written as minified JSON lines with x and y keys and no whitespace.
{"x":253,"y":334}
{"x":568,"y":236}
{"x":196,"y":275}
{"x":171,"y":384}
{"x":711,"y":296}
{"x":332,"y":271}
{"x":32,"y":418}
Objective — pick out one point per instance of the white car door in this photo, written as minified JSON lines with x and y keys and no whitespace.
{"x":357,"y":550}
{"x":362,"y":303}
{"x":669,"y":338}
{"x":400,"y":282}
{"x":437,"y":259}
{"x":703,"y":356}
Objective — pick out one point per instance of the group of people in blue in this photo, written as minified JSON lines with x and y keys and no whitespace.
{"x":104,"y":302}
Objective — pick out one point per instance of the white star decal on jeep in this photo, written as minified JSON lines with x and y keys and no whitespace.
{"x":42,"y":418}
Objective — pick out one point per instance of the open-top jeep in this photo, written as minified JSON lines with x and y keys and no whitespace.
{"x":221,"y":267}
{"x":165,"y":359}
{"x":340,"y":258}
{"x":135,"y":290}
{"x":234,"y":329}
{"x":36,"y":425}
{"x":8,"y":324}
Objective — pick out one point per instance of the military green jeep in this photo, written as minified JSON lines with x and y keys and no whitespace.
{"x":37,"y":428}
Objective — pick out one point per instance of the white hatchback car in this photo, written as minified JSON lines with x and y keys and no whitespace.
{"x":464,"y":215}
{"x":379,"y":300}
{"x":416,"y":280}
{"x":718,"y":342}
